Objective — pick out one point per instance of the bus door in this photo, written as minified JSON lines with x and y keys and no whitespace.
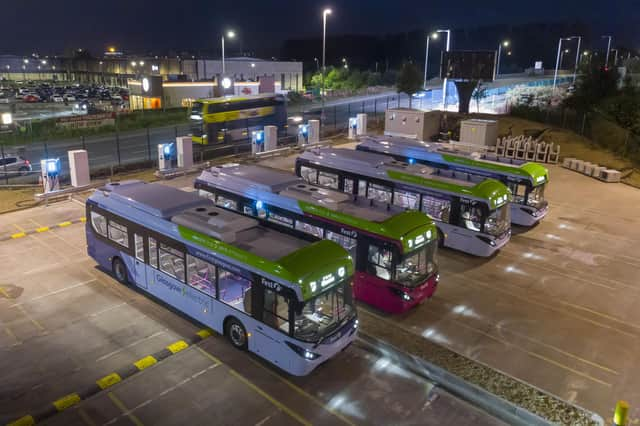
{"x":270,"y":334}
{"x":140,"y":268}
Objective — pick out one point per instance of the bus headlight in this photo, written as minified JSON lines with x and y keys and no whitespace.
{"x":304,"y":353}
{"x":406,"y":297}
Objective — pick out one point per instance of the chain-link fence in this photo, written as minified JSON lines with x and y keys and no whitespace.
{"x":137,"y":149}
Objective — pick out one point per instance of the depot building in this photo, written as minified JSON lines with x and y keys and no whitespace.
{"x":152,"y":92}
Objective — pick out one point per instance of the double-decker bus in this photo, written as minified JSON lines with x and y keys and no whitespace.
{"x":286,"y":299}
{"x":394,"y":250}
{"x":231,"y":118}
{"x":471,"y":217}
{"x":527,"y":181}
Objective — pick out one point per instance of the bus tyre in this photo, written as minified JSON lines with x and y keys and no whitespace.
{"x":236,"y":333}
{"x":440,"y":239}
{"x":119,"y":271}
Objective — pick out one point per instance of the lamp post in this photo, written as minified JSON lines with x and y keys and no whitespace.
{"x":505,"y":44}
{"x":615,"y":57}
{"x":562,"y":56}
{"x":444,"y":83}
{"x":606,"y":61}
{"x":555,"y":74}
{"x":426,"y":57}
{"x":230,"y":34}
{"x":325,"y":13}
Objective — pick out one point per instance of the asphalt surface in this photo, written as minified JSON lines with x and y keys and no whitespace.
{"x":64,"y":324}
{"x":558,"y":306}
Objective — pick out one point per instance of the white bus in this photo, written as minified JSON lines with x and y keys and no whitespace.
{"x":471,"y":217}
{"x":281,"y":297}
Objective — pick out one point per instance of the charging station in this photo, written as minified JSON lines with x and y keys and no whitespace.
{"x":79,"y":168}
{"x":257,"y":141}
{"x":167,"y":158}
{"x":50,"y":173}
{"x":303,"y":134}
{"x":270,"y":138}
{"x":353,"y":127}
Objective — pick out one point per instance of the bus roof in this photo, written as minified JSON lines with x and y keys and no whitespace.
{"x":287,"y":191}
{"x":443,"y":153}
{"x":225,"y":99}
{"x":233,"y":237}
{"x":385,"y":167}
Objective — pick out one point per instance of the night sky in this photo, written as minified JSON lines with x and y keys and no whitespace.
{"x":51,"y":26}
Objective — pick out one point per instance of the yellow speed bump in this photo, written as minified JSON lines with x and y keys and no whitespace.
{"x":204,"y":333}
{"x":63,"y":224}
{"x":83,"y":219}
{"x":145,"y":362}
{"x":109,"y":380}
{"x":66,"y":401}
{"x":18,"y":235}
{"x":23,"y":421}
{"x":42,"y":229}
{"x":621,"y":413}
{"x":178,"y":346}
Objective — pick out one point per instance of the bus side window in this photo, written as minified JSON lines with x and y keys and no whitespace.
{"x":379,"y":262}
{"x":276,"y":311}
{"x":118,"y":233}
{"x":519,"y":191}
{"x":99,"y":223}
{"x":406,"y":199}
{"x":309,"y":174}
{"x":379,"y":193}
{"x":329,"y":180}
{"x":362,"y":188}
{"x":347,"y":243}
{"x":201,"y":275}
{"x":348,"y":185}
{"x":316,"y":231}
{"x":235,"y":290}
{"x":153,"y":252}
{"x":207,"y":194}
{"x":227,"y":203}
{"x":139,"y":246}
{"x":436,"y":208}
{"x":171,"y":261}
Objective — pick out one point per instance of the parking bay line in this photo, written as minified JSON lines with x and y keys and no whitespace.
{"x":257,"y":389}
{"x":124,"y":409}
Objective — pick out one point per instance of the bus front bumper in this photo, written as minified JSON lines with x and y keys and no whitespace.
{"x":527,"y":216}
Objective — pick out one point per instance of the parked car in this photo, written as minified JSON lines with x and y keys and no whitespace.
{"x":14,"y":164}
{"x":30,"y":98}
{"x":57,"y":98}
{"x":69,"y":97}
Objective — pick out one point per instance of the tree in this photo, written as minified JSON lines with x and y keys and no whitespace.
{"x":479,"y":94}
{"x":409,"y":80}
{"x":596,"y":84}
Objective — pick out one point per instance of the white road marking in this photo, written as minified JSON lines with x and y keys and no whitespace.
{"x":42,"y":296}
{"x":117,"y":351}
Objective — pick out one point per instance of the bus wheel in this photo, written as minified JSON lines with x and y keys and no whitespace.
{"x":236,"y":333}
{"x":119,"y":270}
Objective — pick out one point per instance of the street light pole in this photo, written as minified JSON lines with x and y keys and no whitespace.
{"x":555,"y":74}
{"x":505,"y":44}
{"x":606,"y":62}
{"x":575,"y":69}
{"x":444,"y":83}
{"x":230,"y":34}
{"x":325,"y":13}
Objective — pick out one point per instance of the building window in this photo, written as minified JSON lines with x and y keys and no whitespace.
{"x":118,"y":234}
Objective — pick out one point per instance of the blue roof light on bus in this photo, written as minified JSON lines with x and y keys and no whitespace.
{"x":412,"y":161}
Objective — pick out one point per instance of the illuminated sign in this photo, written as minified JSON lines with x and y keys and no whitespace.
{"x":327,"y":279}
{"x":226,"y":83}
{"x":145,"y":84}
{"x":540,"y":179}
